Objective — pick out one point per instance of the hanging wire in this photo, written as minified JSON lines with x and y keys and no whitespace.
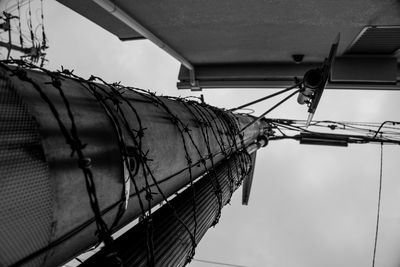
{"x":44,"y":38}
{"x":370,"y":128}
{"x":269,"y":110}
{"x":379,"y":207}
{"x":32,"y":35}
{"x":219,"y":263}
{"x":365,"y":132}
{"x":21,"y":40}
{"x":266,"y":97}
{"x":9,"y":40}
{"x":380,"y":127}
{"x":15,"y":6}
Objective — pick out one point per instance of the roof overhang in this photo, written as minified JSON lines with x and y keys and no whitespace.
{"x":241,"y":39}
{"x":348,"y":72}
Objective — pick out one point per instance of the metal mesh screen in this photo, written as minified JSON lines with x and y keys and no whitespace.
{"x":25,"y":190}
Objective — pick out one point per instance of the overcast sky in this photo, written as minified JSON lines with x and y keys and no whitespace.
{"x":310,"y":205}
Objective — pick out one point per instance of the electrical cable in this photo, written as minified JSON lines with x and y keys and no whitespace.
{"x":358,"y":127}
{"x":380,"y":127}
{"x":218,"y":263}
{"x":269,"y":110}
{"x":266,"y":97}
{"x":44,"y":38}
{"x":21,"y":40}
{"x":391,"y":136}
{"x":9,"y":41}
{"x":15,"y":6}
{"x":29,"y":21}
{"x":379,"y":207}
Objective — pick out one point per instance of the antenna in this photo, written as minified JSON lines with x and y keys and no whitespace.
{"x":37,"y":51}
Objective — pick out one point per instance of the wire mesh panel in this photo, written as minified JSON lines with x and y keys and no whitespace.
{"x":25,"y":191}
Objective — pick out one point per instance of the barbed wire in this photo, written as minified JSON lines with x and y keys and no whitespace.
{"x":216,"y":126}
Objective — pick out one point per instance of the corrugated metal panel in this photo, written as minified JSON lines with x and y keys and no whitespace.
{"x":172,"y":242}
{"x":376,"y":40}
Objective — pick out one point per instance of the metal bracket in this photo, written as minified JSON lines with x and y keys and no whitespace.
{"x":131,"y":167}
{"x":194,"y":84}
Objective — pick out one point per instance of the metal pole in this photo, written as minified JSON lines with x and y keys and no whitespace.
{"x":138,"y":145}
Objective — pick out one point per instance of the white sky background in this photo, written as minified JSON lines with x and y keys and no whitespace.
{"x":310,"y":205}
